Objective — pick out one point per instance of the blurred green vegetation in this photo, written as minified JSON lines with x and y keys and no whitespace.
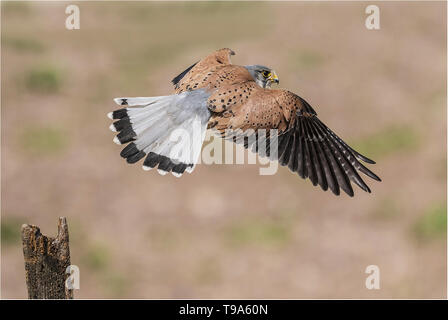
{"x":14,"y":7}
{"x":440,"y":168}
{"x":306,"y":59}
{"x":23,"y":44}
{"x":438,"y":98}
{"x":208,"y":271}
{"x":78,"y":235}
{"x":115,"y":284}
{"x":388,"y":141}
{"x":160,"y":9}
{"x":44,"y":79}
{"x":433,"y":223}
{"x":10,"y":230}
{"x":386,"y":209}
{"x":266,"y":233}
{"x":43,"y":140}
{"x":97,"y":257}
{"x":164,"y":238}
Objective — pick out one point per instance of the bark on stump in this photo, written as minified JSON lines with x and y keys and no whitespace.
{"x":46,"y":261}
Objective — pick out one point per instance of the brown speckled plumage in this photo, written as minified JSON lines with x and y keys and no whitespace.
{"x":236,"y":101}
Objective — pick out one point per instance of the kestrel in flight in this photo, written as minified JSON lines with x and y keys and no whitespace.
{"x":214,"y":93}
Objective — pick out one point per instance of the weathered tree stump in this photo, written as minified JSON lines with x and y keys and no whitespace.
{"x":46,"y":261}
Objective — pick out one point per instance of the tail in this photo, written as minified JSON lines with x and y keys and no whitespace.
{"x":167,"y":130}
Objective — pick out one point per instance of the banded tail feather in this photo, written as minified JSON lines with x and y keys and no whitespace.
{"x":168,"y":131}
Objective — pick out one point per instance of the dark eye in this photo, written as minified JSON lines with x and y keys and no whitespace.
{"x":266,"y":74}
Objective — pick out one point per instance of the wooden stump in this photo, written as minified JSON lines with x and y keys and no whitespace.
{"x":46,"y":261}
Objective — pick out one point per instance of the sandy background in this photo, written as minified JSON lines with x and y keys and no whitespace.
{"x":225,"y":231}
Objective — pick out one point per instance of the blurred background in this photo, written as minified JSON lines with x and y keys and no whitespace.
{"x":225,"y":231}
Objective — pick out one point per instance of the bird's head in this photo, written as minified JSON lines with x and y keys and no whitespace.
{"x":262,"y":75}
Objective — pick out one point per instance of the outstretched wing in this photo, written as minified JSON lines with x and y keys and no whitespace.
{"x":305,"y":144}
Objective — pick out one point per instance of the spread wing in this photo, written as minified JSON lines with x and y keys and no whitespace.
{"x":305,"y":144}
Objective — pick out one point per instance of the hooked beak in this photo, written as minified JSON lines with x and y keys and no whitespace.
{"x":274,"y":78}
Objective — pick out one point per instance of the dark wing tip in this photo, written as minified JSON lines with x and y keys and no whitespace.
{"x":336,"y":191}
{"x":361,"y":157}
{"x":368,"y":173}
{"x":179,"y":77}
{"x":330,"y":157}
